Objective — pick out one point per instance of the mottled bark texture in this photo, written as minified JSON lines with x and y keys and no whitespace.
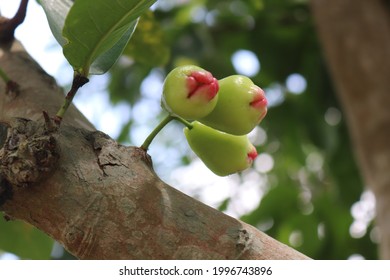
{"x":102,"y":200}
{"x":355,"y":35}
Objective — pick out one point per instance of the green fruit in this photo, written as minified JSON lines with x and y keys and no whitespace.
{"x":221,"y":152}
{"x":190,"y":92}
{"x":241,"y":106}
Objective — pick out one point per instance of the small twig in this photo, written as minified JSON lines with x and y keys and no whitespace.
{"x":8,"y":26}
{"x":20,"y":14}
{"x":50,"y":125}
{"x":78,"y":82}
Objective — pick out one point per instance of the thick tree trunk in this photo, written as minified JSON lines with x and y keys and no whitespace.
{"x":355,"y":36}
{"x":99,"y":199}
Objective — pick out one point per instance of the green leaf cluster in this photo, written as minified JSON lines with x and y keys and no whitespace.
{"x":24,"y":240}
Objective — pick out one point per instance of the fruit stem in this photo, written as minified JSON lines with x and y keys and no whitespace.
{"x":183,"y":121}
{"x":159,"y":127}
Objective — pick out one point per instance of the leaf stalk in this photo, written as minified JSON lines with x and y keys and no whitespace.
{"x":78,"y":81}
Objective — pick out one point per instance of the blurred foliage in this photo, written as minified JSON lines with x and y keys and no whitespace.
{"x":24,"y":240}
{"x":314,"y":181}
{"x":148,"y":44}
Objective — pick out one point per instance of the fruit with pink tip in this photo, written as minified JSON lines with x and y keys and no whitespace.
{"x":221,"y":152}
{"x":190,"y":92}
{"x":241,"y":106}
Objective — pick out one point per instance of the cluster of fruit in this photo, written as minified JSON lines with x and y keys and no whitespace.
{"x":222,"y":112}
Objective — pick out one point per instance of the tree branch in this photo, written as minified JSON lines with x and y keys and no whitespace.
{"x":8,"y":26}
{"x":102,"y":200}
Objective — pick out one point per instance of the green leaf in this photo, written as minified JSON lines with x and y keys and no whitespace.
{"x":56,"y":12}
{"x":97,"y":31}
{"x":24,"y":240}
{"x":105,"y":60}
{"x":224,"y":205}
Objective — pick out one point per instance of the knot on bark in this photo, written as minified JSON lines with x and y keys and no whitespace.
{"x":28,"y":154}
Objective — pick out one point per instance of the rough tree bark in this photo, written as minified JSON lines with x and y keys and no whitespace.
{"x":99,"y":199}
{"x":355,"y":35}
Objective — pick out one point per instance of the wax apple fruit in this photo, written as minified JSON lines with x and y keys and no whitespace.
{"x":190,"y":92}
{"x":221,"y":152}
{"x":241,"y":106}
